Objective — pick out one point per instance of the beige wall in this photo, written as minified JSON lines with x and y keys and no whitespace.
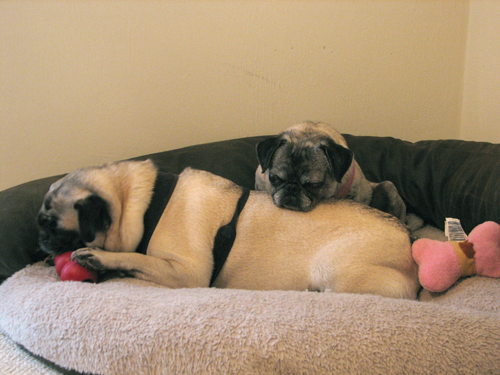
{"x":85,"y":82}
{"x":481,"y":103}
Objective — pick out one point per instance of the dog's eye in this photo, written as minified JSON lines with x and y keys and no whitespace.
{"x":274,"y":179}
{"x":314,"y":185}
{"x":47,"y":204}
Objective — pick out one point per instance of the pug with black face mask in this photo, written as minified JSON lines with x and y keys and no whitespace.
{"x":197,"y":229}
{"x":310,"y":162}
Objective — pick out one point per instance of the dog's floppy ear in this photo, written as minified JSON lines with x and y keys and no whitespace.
{"x":339,"y":157}
{"x":266,"y":150}
{"x":93,"y":216}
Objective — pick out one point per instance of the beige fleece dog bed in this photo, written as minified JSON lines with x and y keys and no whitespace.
{"x":128,"y":326}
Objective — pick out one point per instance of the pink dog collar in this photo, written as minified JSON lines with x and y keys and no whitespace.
{"x":342,"y":193}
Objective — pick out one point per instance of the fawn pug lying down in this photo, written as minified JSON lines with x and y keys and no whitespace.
{"x":107,"y":215}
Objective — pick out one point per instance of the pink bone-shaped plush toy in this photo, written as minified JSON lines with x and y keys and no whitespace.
{"x":441,"y":264}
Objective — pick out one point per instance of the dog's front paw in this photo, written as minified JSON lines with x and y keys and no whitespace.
{"x":90,"y":258}
{"x":50,"y":260}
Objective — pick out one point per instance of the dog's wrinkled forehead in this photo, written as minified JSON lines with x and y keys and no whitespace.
{"x":60,"y":200}
{"x":300,"y":152}
{"x":301,"y":159}
{"x":67,"y":189}
{"x":313,"y":133}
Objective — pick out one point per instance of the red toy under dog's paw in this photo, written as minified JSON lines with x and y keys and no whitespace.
{"x":441,"y":264}
{"x":69,"y":270}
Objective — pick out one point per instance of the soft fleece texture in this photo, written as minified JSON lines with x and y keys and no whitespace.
{"x":128,"y":326}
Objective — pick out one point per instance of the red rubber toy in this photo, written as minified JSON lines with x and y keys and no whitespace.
{"x":70,"y":270}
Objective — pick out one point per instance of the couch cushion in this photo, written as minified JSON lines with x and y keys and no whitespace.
{"x":437,"y":179}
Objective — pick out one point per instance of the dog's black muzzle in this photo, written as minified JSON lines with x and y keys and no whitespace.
{"x":296,"y":199}
{"x":46,"y":222}
{"x":54,"y":240}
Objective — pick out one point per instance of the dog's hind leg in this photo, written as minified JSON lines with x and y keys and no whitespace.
{"x":378,"y":280}
{"x":382,"y":281}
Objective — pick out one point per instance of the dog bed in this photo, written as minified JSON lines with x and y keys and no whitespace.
{"x":128,"y":326}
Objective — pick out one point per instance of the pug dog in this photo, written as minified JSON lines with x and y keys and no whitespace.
{"x":104,"y":213}
{"x":310,"y":162}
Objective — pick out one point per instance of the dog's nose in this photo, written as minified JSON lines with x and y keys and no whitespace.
{"x":292,"y":189}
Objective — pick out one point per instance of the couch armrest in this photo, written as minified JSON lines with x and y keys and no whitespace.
{"x":18,"y":230}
